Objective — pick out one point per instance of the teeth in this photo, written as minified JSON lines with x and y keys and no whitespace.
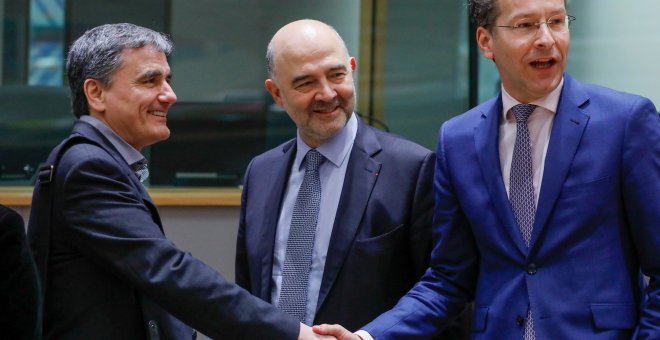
{"x":158,"y":113}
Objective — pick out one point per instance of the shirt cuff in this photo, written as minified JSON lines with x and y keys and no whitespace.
{"x":364,"y":335}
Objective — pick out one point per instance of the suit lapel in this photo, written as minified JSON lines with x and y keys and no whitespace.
{"x":568,"y":127}
{"x":87,"y":130}
{"x":487,"y":147}
{"x":361,"y":175}
{"x":273,"y":187}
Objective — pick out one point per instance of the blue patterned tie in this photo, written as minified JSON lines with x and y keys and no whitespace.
{"x":521,"y":188}
{"x":141,"y":169}
{"x":298,"y":258}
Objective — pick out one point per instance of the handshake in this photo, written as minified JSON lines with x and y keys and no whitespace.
{"x":326,"y":331}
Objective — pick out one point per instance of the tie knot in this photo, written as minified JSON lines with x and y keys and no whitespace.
{"x":313,"y":159}
{"x":522,"y":112}
{"x":141,"y":170}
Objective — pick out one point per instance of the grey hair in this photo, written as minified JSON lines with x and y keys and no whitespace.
{"x":97,"y":54}
{"x":270,"y":53}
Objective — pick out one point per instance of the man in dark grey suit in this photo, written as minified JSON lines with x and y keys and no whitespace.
{"x":111,"y":273}
{"x":372,"y":234}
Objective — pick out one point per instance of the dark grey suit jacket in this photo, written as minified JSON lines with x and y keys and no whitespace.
{"x":381,"y":239}
{"x":112,"y":274}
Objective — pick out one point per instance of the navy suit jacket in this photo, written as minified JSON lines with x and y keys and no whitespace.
{"x":595,"y":231}
{"x":112,"y":274}
{"x":381,"y":238}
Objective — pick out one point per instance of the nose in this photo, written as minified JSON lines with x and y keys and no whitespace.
{"x":544,"y":37}
{"x":325,"y":92}
{"x":167,"y":94}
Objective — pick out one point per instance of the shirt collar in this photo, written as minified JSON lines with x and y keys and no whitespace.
{"x":334,"y":149}
{"x":549,"y":102}
{"x":127,"y":152}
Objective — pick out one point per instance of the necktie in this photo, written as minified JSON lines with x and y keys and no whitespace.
{"x":521,"y":188}
{"x":298,"y":258}
{"x":141,"y":169}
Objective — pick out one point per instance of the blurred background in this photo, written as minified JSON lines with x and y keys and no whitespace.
{"x":417,"y":67}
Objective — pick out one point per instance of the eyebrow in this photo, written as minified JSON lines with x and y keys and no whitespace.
{"x":153,"y":74}
{"x":553,"y":12}
{"x":305,"y":76}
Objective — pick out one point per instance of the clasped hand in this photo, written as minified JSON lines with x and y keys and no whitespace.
{"x":326,"y":331}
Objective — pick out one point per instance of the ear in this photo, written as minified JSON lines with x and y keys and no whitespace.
{"x":95,"y":95}
{"x":353,"y":64}
{"x":485,"y":42}
{"x":274,"y":92}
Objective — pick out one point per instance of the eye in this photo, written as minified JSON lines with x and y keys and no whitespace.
{"x":149,"y":81}
{"x":557,"y":21}
{"x":303,"y":85}
{"x":523,"y":25}
{"x":338,"y":75}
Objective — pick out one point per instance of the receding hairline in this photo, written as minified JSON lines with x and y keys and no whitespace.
{"x":272,"y":50}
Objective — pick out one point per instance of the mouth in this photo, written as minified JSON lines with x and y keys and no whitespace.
{"x":325,"y":110}
{"x":543,"y":63}
{"x":158,"y":113}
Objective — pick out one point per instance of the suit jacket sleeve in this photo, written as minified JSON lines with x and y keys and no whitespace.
{"x":111,"y":220}
{"x":422,"y":217}
{"x":242,"y":271}
{"x":450,"y":279}
{"x":641,"y":195}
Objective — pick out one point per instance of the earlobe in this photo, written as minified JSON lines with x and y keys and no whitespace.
{"x":95,"y":97}
{"x":353,"y":64}
{"x":484,"y":41}
{"x":274,"y":92}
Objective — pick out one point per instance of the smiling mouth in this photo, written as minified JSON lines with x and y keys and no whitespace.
{"x":543,"y":63}
{"x":158,"y":113}
{"x":329,"y":110}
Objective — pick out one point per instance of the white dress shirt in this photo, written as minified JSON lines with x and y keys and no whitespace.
{"x":331,"y":172}
{"x":540,"y":126}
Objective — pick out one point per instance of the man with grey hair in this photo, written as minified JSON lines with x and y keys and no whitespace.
{"x":106,"y":267}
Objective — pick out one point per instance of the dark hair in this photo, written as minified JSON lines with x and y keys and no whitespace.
{"x":483,"y":12}
{"x":97,"y":55}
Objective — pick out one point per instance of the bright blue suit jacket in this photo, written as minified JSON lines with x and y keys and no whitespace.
{"x":381,"y":240}
{"x":596,"y":228}
{"x":112,"y":274}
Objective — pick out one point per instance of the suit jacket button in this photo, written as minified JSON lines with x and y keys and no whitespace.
{"x":520,"y":320}
{"x":153,"y":330}
{"x":531,"y":269}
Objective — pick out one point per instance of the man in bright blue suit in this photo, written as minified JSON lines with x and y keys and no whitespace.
{"x":570,"y":265}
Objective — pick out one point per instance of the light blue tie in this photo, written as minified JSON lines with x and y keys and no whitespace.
{"x":298,"y":258}
{"x":141,"y":170}
{"x":521,"y":188}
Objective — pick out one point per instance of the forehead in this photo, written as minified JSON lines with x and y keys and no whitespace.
{"x":519,"y":8}
{"x":303,"y":52}
{"x":143,"y":59}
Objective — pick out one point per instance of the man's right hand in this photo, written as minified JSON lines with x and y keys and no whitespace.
{"x":337,"y":331}
{"x":306,"y":333}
